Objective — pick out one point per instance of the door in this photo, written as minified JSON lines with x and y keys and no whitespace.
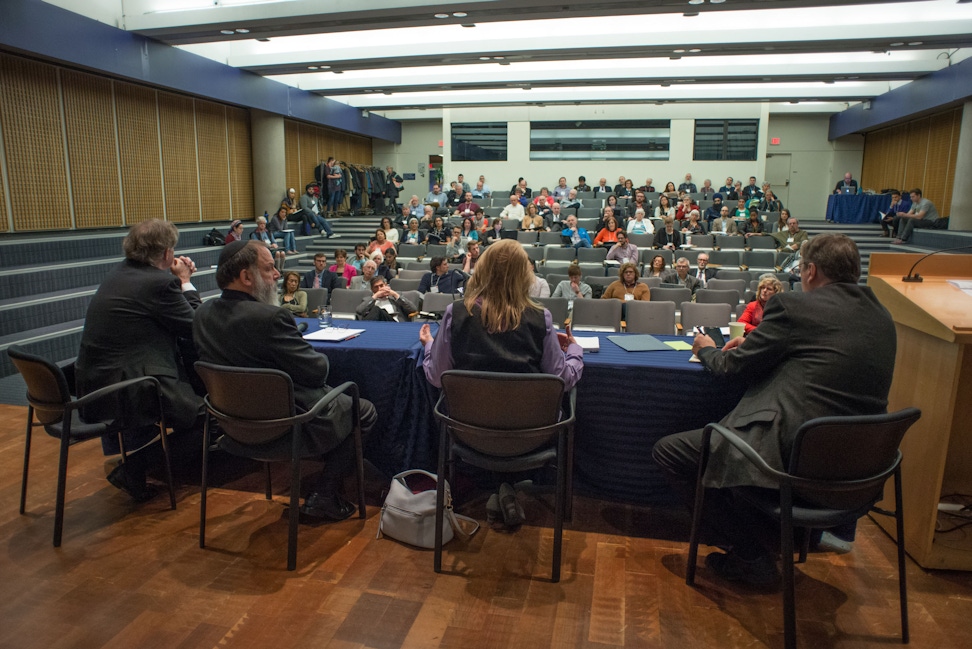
{"x":778,"y":175}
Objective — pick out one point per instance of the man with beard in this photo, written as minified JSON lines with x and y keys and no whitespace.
{"x":244,"y":327}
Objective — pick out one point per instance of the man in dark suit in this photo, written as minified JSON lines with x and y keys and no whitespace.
{"x":703,"y":273}
{"x":133,"y":328}
{"x":245,"y":328}
{"x":680,"y":276}
{"x":321,"y":277}
{"x":385,"y":304}
{"x":827,"y":351}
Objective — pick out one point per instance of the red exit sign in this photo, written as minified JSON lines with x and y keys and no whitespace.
{"x":775,"y":141}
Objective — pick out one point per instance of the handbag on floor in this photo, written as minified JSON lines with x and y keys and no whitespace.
{"x":408,"y":514}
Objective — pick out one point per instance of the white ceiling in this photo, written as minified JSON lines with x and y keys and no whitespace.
{"x":390,"y":55}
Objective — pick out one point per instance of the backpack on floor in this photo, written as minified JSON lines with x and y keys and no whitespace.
{"x":214,"y":238}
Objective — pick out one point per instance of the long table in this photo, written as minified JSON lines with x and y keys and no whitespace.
{"x":857,"y":208}
{"x":625,"y":402}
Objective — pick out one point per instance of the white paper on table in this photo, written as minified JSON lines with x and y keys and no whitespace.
{"x":333,"y":335}
{"x":589,"y":343}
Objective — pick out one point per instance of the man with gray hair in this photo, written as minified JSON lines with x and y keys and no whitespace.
{"x":139,"y":323}
{"x":244,"y":327}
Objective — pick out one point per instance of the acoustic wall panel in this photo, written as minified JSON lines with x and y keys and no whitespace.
{"x":4,"y":217}
{"x":33,"y":139}
{"x":92,"y":152}
{"x":292,"y":146}
{"x":213,"y":151}
{"x":179,"y":168}
{"x":241,"y":162}
{"x":139,"y":153}
{"x":309,"y":156}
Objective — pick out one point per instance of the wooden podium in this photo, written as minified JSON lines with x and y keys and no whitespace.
{"x":933,"y":372}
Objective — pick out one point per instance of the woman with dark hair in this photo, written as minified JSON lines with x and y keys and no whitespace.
{"x":780,"y":224}
{"x":664,"y":208}
{"x":608,"y":234}
{"x":656,"y":267}
{"x":468,"y":232}
{"x":342,"y":268}
{"x":235,"y":231}
{"x":278,"y":228}
{"x":670,"y":190}
{"x":627,"y":287}
{"x":497,"y":327}
{"x":380,"y":242}
{"x":753,"y":225}
{"x":293,"y":298}
{"x":437,"y":231}
{"x":612,"y":202}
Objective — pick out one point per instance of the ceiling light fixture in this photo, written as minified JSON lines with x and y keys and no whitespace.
{"x":227,"y":32}
{"x":898,"y":44}
{"x":679,"y":51}
{"x":459,"y":14}
{"x":915,"y":43}
{"x":441,"y":16}
{"x":695,"y":50}
{"x":716,"y":2}
{"x":485,"y":58}
{"x":312,"y":67}
{"x":696,"y":2}
{"x":242,"y":30}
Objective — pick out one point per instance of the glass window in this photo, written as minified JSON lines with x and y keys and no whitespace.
{"x":726,"y":139}
{"x":478,"y":141}
{"x":600,"y":140}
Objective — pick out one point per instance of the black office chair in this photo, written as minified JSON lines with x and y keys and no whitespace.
{"x":49,"y":398}
{"x":267,"y":429}
{"x":836,"y":475}
{"x":529,"y":432}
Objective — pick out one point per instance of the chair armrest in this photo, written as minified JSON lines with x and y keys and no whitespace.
{"x":334,"y":393}
{"x":114,"y":387}
{"x":745,"y":449}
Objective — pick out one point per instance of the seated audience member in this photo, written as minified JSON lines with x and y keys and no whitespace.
{"x":577,"y":237}
{"x":791,"y":265}
{"x":639,"y":203}
{"x":468,"y":232}
{"x":525,"y":192}
{"x":480,"y":192}
{"x":686,"y":206}
{"x":768,"y":286}
{"x":688,"y":185}
{"x":570,"y":201}
{"x":657,"y":267}
{"x":703,"y":273}
{"x":622,"y":251}
{"x":472,"y":257}
{"x":582,"y":185}
{"x":497,"y":327}
{"x":514,"y":210}
{"x":847,"y":372}
{"x":455,"y":251}
{"x":543,"y":197}
{"x":602,"y":189}
{"x":437,"y":233}
{"x":486,"y":190}
{"x":899,"y":207}
{"x":359,"y":257}
{"x":769,"y":202}
{"x":531,"y":219}
{"x":608,"y":235}
{"x":494,"y":233}
{"x":415,"y":207}
{"x":639,"y":224}
{"x":403,"y":216}
{"x":648,"y":187}
{"x":389,"y":267}
{"x":680,"y":276}
{"x":391,"y":232}
{"x":310,"y":206}
{"x":413,"y":235}
{"x":627,"y":287}
{"x":713,"y":211}
{"x":544,"y":210}
{"x":751,"y":191}
{"x":792,"y":237}
{"x":243,"y":327}
{"x":342,"y":268}
{"x":437,"y":199}
{"x":292,"y":204}
{"x":540,"y":286}
{"x":280,"y":230}
{"x":670,"y":190}
{"x":664,"y":208}
{"x":727,"y":187}
{"x":235,"y":232}
{"x":707,"y":189}
{"x":692,"y":225}
{"x":480,"y":222}
{"x":456,"y":195}
{"x":363,"y":280}
{"x":616,"y":211}
{"x":736,"y":193}
{"x":467,"y":207}
{"x":573,"y":288}
{"x":440,"y":279}
{"x":725,"y":224}
{"x":425,"y":223}
{"x":384,"y":304}
{"x":460,"y":180}
{"x":921,"y":215}
{"x":555,"y":222}
{"x":133,"y":327}
{"x":626,"y":190}
{"x":620,"y":186}
{"x":263,"y":235}
{"x":780,"y":221}
{"x":320,"y":276}
{"x":292,"y":298}
{"x":753,"y":226}
{"x":561,"y":191}
{"x":846,"y":186}
{"x":380,"y":243}
{"x":740,"y":213}
{"x":668,"y":237}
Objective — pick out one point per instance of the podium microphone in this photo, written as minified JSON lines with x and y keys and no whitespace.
{"x":912,"y":276}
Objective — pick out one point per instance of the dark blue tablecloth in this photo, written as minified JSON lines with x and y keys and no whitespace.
{"x":625,"y":402}
{"x":857,"y":208}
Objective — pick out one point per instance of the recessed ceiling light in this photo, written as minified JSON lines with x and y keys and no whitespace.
{"x":679,"y":51}
{"x":441,"y":16}
{"x":241,"y":30}
{"x":485,"y":58}
{"x":898,"y":44}
{"x":915,"y":43}
{"x":459,"y":14}
{"x":695,"y":50}
{"x":854,"y":77}
{"x":312,"y":67}
{"x":716,"y":2}
{"x":227,"y":32}
{"x":498,"y":58}
{"x":696,"y":2}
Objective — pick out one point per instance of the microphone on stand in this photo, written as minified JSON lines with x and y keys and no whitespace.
{"x":912,"y":276}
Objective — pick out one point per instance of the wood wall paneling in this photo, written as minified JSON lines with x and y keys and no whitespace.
{"x":292,"y":147}
{"x":213,"y":153}
{"x":33,"y":139}
{"x":92,"y":153}
{"x":241,"y":162}
{"x":138,"y":145}
{"x":4,"y":217}
{"x":179,"y":167}
{"x":917,"y":155}
{"x":937,"y":178}
{"x":308,"y":154}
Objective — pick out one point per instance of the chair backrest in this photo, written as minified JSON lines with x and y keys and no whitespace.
{"x":557,"y":307}
{"x":717,"y":296}
{"x":411,"y":250}
{"x":511,"y":224}
{"x":527,"y":237}
{"x":316,"y":298}
{"x":730,"y":241}
{"x":345,"y":301}
{"x":728,"y":259}
{"x":437,"y":302}
{"x":650,"y":317}
{"x":761,"y":243}
{"x":760,"y":260}
{"x":643,"y":241}
{"x":399,"y":284}
{"x":726,"y":273}
{"x":650,"y":282}
{"x":550,"y":239}
{"x":596,"y":314}
{"x":530,"y":402}
{"x":861,"y":448}
{"x":411,"y":274}
{"x":435,"y":250}
{"x":600,"y":280}
{"x":718,"y":284}
{"x":704,"y":315}
{"x":676,"y":294}
{"x":559,"y":254}
{"x":556,"y":278}
{"x":414,"y":297}
{"x":252,"y":405}
{"x":702,"y":240}
{"x":592,"y":254}
{"x":534,"y":253}
{"x":47,"y":388}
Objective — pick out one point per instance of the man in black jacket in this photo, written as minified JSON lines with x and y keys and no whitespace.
{"x":321,"y":277}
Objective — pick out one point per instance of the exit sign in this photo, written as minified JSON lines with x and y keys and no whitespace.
{"x":775,"y":141}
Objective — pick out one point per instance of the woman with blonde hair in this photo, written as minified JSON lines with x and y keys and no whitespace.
{"x":531,"y":219}
{"x":497,"y":327}
{"x":769,"y":285}
{"x":292,"y":298}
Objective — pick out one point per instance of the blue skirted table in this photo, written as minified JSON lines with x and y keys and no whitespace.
{"x":857,"y":208}
{"x":626,"y":401}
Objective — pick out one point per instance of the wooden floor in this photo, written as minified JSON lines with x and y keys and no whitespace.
{"x":132,"y":576}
